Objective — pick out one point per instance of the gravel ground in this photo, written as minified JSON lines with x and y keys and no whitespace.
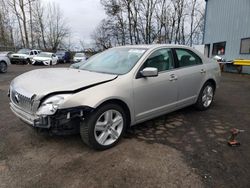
{"x":186,"y":148}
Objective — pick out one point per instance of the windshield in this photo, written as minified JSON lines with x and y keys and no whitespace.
{"x":44,"y":54}
{"x":114,"y":61}
{"x":24,"y":51}
{"x":79,"y":55}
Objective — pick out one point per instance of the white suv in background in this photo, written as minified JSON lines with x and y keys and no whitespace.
{"x":23,"y":56}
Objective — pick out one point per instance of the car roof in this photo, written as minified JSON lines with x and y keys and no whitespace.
{"x":152,"y":46}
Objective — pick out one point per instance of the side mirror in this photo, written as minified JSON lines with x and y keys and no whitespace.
{"x":149,"y":72}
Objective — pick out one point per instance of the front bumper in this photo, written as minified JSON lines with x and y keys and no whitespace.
{"x":18,"y":60}
{"x":63,"y":119}
{"x":40,"y":63}
{"x":26,"y":117}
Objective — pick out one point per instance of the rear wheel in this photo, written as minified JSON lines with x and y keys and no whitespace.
{"x":206,"y":96}
{"x":3,"y":67}
{"x":104,"y":127}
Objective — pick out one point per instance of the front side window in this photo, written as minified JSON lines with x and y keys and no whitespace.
{"x":219,"y":48}
{"x":187,"y":58}
{"x":161,"y":59}
{"x":245,"y":46}
{"x":31,"y":53}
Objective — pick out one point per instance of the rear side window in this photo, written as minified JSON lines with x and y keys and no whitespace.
{"x":187,"y":58}
{"x":35,"y":52}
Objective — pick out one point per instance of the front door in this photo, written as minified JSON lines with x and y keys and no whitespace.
{"x":154,"y":96}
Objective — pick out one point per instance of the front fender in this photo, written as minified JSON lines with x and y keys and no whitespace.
{"x":97,"y":95}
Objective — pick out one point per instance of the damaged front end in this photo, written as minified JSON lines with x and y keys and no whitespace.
{"x":46,"y":114}
{"x":64,"y":121}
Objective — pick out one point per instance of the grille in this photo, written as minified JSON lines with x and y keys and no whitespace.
{"x":23,"y":102}
{"x":39,"y":63}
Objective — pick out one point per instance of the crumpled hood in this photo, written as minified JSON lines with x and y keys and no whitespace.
{"x":42,"y":82}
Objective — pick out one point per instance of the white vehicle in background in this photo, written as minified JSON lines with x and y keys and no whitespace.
{"x":24,"y":56}
{"x":45,"y":58}
{"x":79,"y":57}
{"x":4,"y":62}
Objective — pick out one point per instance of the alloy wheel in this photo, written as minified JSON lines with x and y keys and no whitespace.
{"x":207,"y":96}
{"x":108,"y":127}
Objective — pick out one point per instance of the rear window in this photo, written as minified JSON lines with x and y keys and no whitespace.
{"x":187,"y":58}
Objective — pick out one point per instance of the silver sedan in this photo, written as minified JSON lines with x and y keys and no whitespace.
{"x":115,"y":89}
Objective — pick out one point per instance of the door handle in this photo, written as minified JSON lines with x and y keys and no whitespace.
{"x":203,"y":71}
{"x":173,"y":77}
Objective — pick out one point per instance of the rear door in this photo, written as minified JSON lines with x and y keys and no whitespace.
{"x":191,"y":73}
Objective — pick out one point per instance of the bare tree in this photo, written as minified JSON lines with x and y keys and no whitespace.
{"x":82,"y":45}
{"x":102,"y":36}
{"x":37,"y":24}
{"x":39,"y":15}
{"x":30,"y":4}
{"x":14,"y":7}
{"x":22,"y":4}
{"x":6,"y":37}
{"x":57,"y":28}
{"x":147,"y":21}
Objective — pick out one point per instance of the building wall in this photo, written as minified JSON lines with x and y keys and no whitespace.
{"x":228,"y":20}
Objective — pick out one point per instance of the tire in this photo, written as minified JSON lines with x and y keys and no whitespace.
{"x":206,"y":97}
{"x":3,"y":67}
{"x":112,"y":123}
{"x":50,"y":63}
{"x":27,"y":61}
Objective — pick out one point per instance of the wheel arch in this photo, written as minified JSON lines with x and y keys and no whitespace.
{"x":212,"y":81}
{"x":121,"y":104}
{"x":209,"y":80}
{"x":3,"y":61}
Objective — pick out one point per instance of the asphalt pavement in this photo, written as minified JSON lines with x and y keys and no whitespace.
{"x":186,"y":148}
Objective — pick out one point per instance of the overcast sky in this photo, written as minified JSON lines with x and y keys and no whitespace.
{"x":82,"y":16}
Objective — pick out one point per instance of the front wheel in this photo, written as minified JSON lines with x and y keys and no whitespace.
{"x":3,"y":67}
{"x":28,"y":61}
{"x":104,"y":127}
{"x":206,"y":97}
